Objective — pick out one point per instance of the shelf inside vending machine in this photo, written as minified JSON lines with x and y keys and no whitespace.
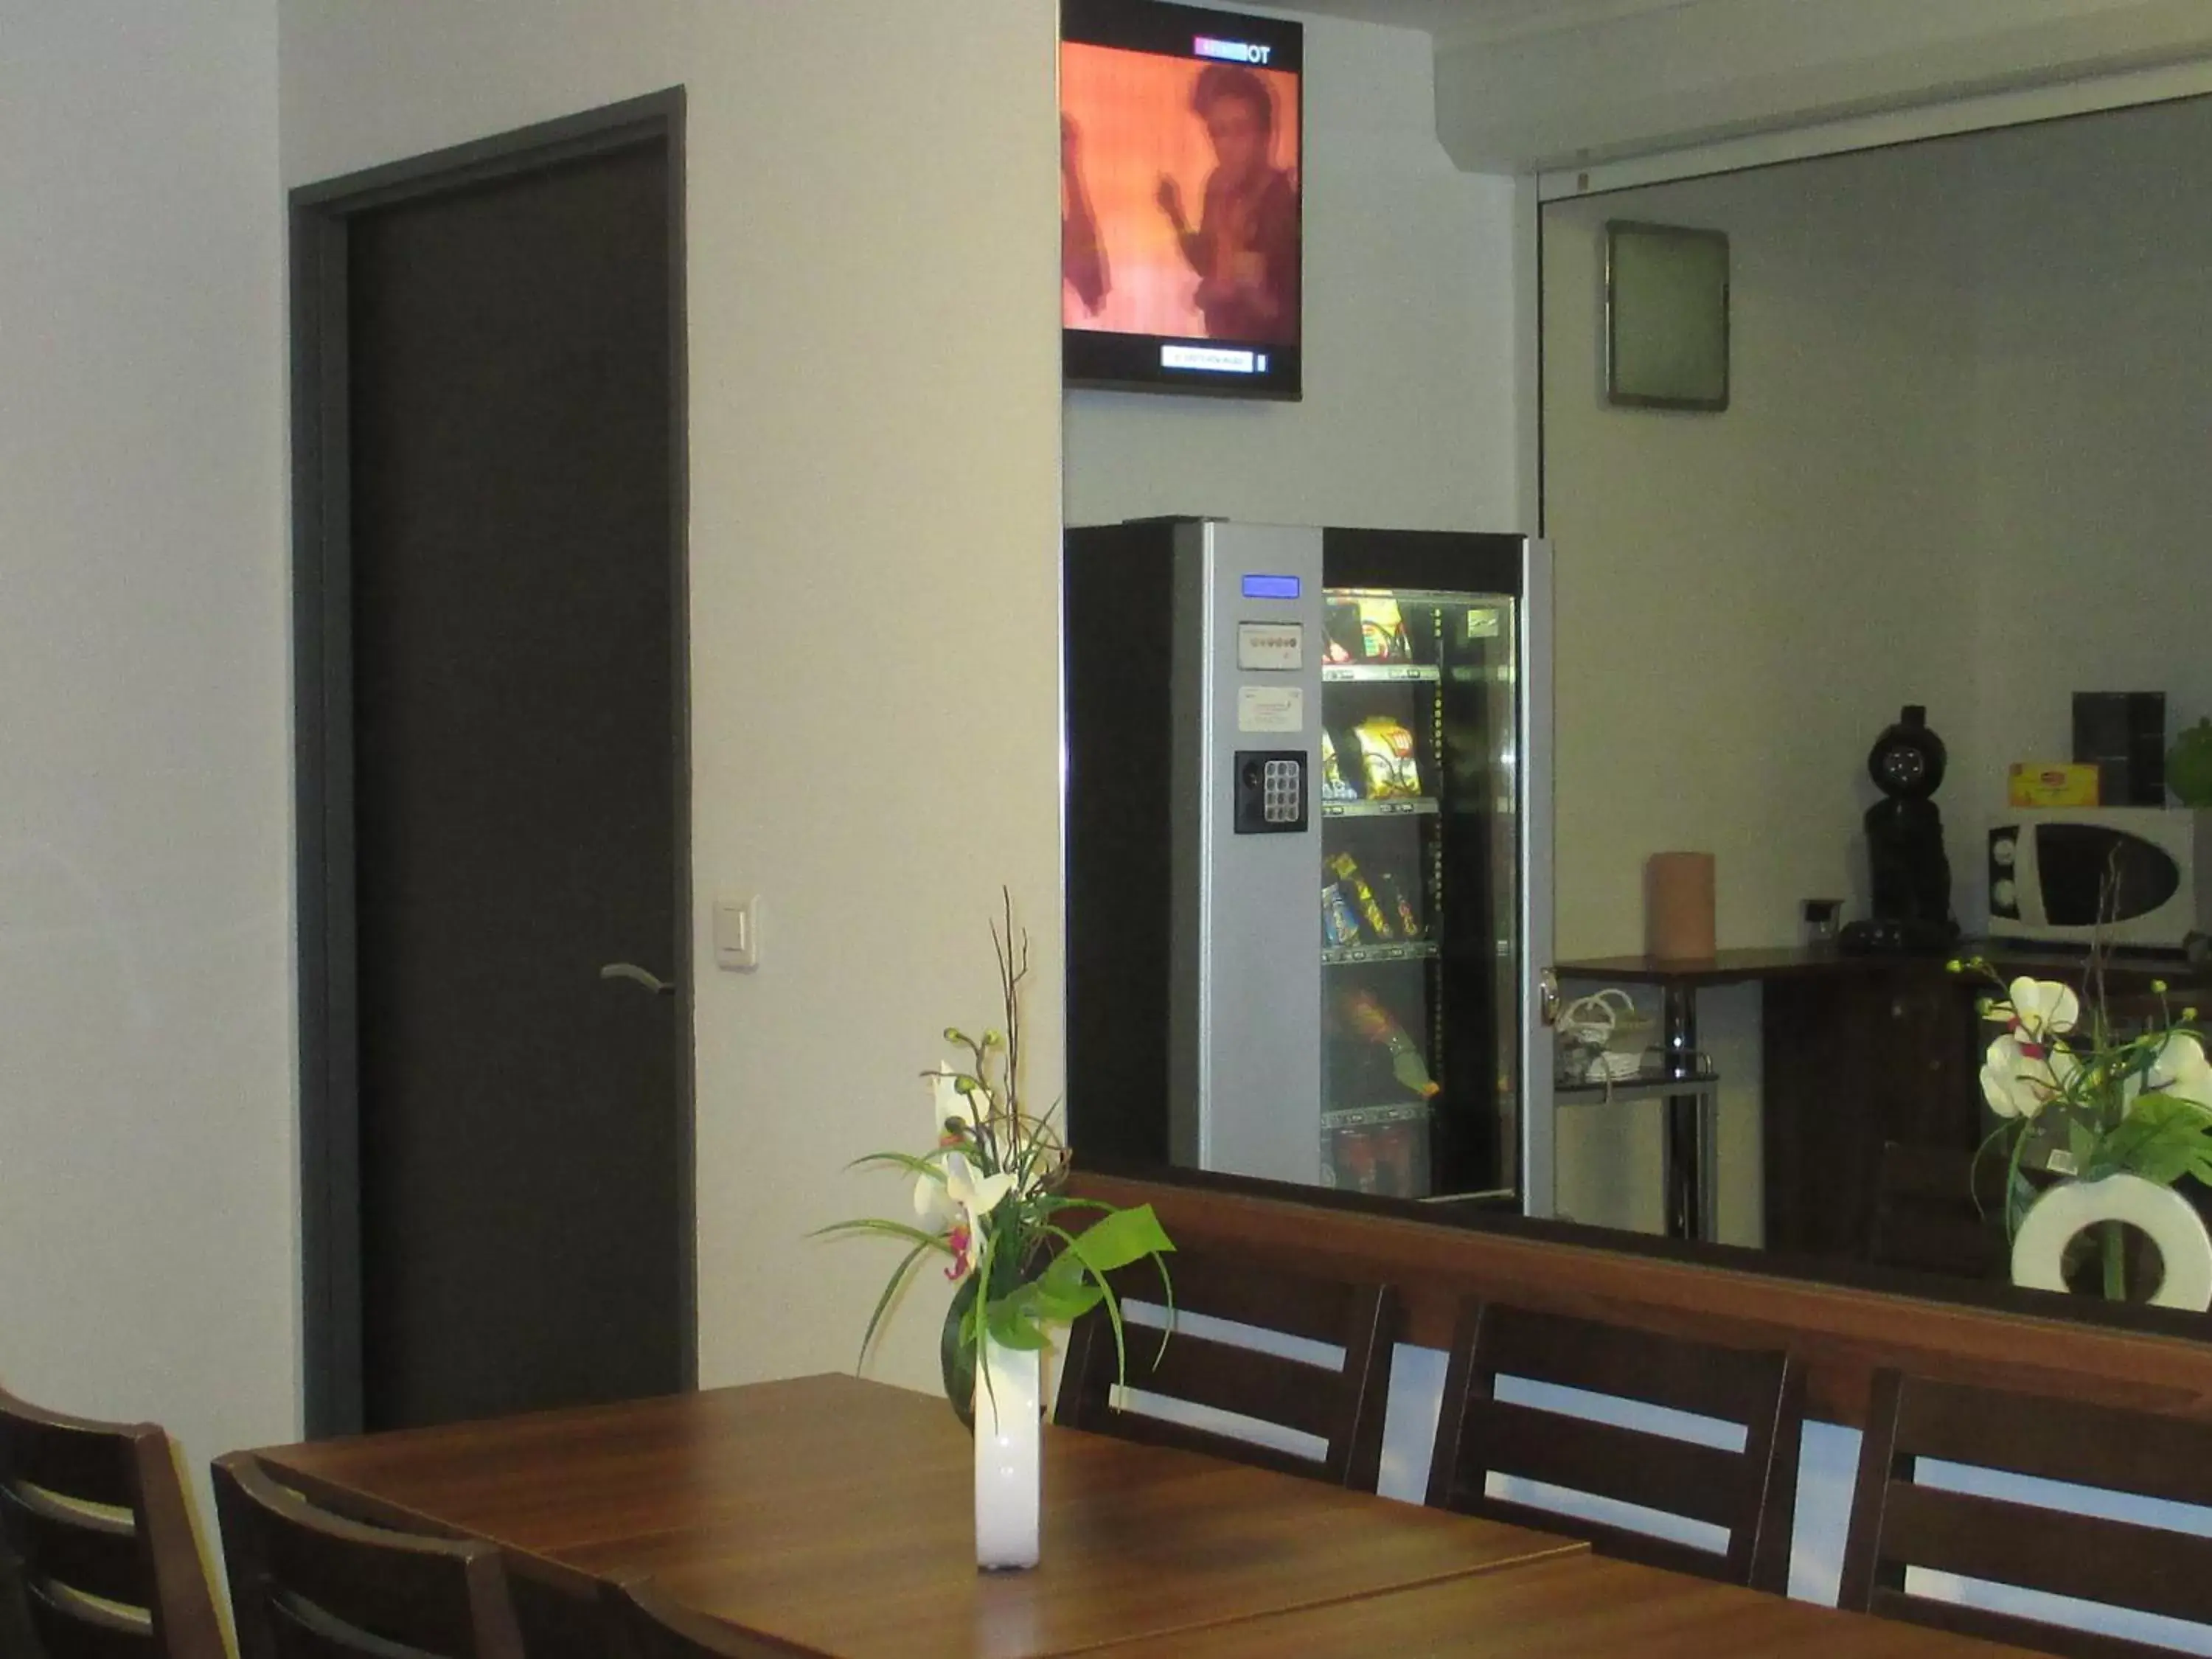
{"x":1379,"y":673}
{"x":1350,"y":1117}
{"x":1397,"y":806}
{"x":1353,"y":955}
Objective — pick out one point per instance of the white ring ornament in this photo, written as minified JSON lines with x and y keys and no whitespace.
{"x":2170,"y":1220}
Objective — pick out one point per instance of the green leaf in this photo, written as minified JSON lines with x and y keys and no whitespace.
{"x":1052,"y":1300}
{"x":1014,"y":1324}
{"x":2080,"y":1146}
{"x":925,"y":1167}
{"x":2020,"y":1193}
{"x":886,"y":1229}
{"x":899,"y":1277}
{"x":2161,"y":1139}
{"x":955,"y":1354}
{"x":1117,"y":1240}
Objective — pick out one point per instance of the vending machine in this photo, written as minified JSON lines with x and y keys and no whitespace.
{"x":1309,"y":855}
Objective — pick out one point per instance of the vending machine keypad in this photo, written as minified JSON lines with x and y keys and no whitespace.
{"x":1271,"y":792}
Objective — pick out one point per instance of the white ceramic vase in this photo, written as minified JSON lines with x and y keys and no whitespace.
{"x":2169,"y":1218}
{"x":1009,"y":1428}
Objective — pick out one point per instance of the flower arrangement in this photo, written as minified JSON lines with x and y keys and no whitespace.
{"x":990,"y":1197}
{"x":2089,"y":1100}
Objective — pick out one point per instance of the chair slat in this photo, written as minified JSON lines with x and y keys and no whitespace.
{"x":2064,"y":1552}
{"x":1343,"y":1406}
{"x":1225,"y":1286}
{"x":298,"y":1634}
{"x":73,"y":1630}
{"x":1993,"y":1626}
{"x":2055,"y":1439}
{"x":76,"y":1457}
{"x":1897,"y":1523}
{"x":95,"y":1554}
{"x":1228,"y":1378}
{"x":1140,"y":1426}
{"x":1731,"y":1383}
{"x":1672,"y":1476}
{"x":307,"y":1583}
{"x":51,"y":1468}
{"x":1624,"y":1543}
{"x":1749,"y":1493}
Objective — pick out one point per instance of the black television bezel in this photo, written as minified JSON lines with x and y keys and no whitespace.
{"x":1096,"y":360}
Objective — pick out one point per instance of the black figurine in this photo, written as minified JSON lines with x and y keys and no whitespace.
{"x":1905,"y":843}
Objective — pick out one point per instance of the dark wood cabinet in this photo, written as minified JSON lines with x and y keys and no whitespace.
{"x":1853,"y":1060}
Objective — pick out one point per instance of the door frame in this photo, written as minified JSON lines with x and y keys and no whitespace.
{"x":322,"y":565}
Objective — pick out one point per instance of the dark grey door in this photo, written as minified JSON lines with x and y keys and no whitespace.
{"x":512,"y":611}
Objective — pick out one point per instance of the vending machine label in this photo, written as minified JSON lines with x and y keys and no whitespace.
{"x":1271,"y":646}
{"x":1271,"y":708}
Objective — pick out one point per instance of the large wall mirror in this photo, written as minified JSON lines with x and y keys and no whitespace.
{"x":1964,"y":469}
{"x":1962,"y":466}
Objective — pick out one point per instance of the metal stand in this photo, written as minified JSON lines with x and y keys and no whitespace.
{"x":1690,"y":1160}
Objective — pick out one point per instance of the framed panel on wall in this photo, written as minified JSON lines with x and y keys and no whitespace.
{"x":1666,"y":317}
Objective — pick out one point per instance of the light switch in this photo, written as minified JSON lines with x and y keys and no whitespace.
{"x":737,"y":934}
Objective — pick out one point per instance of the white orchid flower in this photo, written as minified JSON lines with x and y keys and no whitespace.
{"x":957,"y":1183}
{"x":2040,"y":1008}
{"x":2018,"y":1082}
{"x":976,"y":1194}
{"x":947,"y":1105}
{"x":2182,"y":1071}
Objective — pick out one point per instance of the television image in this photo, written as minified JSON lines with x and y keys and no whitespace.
{"x":1179,"y":210}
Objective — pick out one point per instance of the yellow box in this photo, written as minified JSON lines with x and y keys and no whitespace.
{"x":2050,"y":784}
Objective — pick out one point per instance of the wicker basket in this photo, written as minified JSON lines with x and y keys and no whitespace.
{"x":1602,"y":1037}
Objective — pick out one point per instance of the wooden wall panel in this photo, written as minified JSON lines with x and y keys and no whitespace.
{"x":1844,"y":1333}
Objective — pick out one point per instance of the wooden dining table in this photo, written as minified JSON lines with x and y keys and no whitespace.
{"x":836,"y":1514}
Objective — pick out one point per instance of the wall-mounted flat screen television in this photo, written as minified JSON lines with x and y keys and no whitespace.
{"x":1180,"y":147}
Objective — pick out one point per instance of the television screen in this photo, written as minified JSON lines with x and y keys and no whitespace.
{"x":1179,"y":238}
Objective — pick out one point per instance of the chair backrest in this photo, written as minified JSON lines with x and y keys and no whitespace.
{"x":100,"y":1540}
{"x":1900,"y":1521}
{"x":1749,"y":1492}
{"x":306,"y":1583}
{"x":1925,"y":1218}
{"x":1337,"y":1401}
{"x":647,"y":1625}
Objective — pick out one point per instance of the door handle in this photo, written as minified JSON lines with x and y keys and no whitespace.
{"x":630,"y":970}
{"x":1547,"y":997}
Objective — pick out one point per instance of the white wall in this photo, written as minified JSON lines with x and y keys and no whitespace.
{"x":147,"y":1152}
{"x":1745,"y":598}
{"x":2093,"y":244}
{"x":1410,"y":388}
{"x":875,"y":420}
{"x":1578,"y":82}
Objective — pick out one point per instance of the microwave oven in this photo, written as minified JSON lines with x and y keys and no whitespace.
{"x":2144,"y":873}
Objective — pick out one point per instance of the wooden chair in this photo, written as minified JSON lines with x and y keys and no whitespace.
{"x":1898,"y":1522}
{"x":647,"y":1625}
{"x":1341,"y":1404}
{"x":1751,"y":1493}
{"x":306,"y":1583}
{"x":100,"y":1541}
